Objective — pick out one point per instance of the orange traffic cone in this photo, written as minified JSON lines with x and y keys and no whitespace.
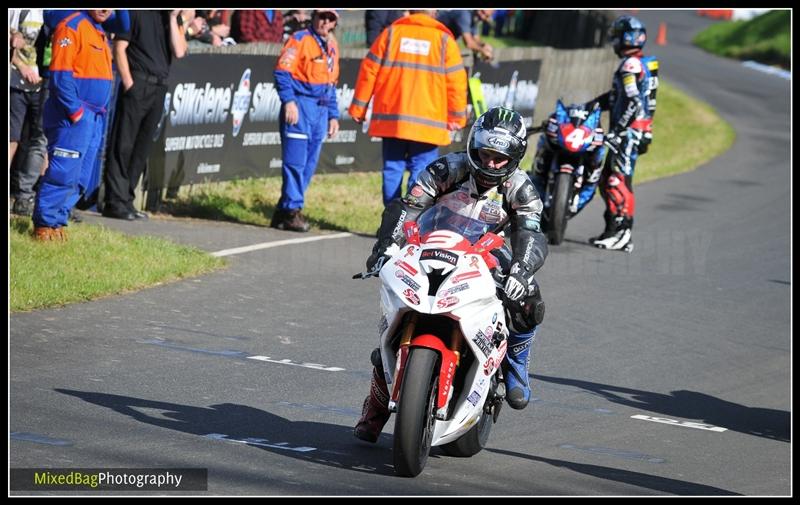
{"x":661,"y":39}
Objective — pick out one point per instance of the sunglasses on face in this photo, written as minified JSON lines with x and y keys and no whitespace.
{"x":327,"y":17}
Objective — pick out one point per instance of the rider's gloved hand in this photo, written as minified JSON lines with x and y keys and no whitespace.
{"x":551,"y":128}
{"x":517,"y":283}
{"x":613,"y":142}
{"x":383,"y":250}
{"x":647,"y":137}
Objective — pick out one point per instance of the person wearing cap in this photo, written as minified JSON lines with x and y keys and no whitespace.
{"x":305,"y":78}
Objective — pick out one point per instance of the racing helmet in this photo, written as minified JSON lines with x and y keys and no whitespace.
{"x":502,"y":131}
{"x":627,"y":33}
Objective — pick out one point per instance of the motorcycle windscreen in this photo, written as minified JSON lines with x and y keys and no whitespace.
{"x":455,"y":214}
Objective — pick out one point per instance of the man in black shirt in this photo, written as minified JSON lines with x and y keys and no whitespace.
{"x":143,"y":57}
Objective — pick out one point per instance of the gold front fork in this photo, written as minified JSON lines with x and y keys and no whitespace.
{"x":456,"y":342}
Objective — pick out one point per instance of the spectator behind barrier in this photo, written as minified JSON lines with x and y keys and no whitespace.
{"x":143,"y":57}
{"x":293,"y":21}
{"x":209,"y":27}
{"x":375,"y":21}
{"x":257,"y":26}
{"x":463,"y":25}
{"x":25,"y":113}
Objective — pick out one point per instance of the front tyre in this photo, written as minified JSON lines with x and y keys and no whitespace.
{"x":560,"y":207}
{"x":413,"y":428}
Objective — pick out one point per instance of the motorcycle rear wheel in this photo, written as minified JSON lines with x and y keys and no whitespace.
{"x":413,"y":428}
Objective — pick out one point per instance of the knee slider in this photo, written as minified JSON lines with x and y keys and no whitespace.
{"x":523,"y":318}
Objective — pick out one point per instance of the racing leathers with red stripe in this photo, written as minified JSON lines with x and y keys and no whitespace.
{"x":631,"y":119}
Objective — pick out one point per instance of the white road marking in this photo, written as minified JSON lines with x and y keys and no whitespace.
{"x":768,"y":69}
{"x":685,"y":424}
{"x":263,"y":442}
{"x":277,"y":243}
{"x":316,"y":366}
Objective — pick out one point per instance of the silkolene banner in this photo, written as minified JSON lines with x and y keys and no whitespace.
{"x":220,"y":119}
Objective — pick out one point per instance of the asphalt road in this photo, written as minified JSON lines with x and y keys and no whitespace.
{"x":690,"y":333}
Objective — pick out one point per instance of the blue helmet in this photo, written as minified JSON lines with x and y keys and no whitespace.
{"x":627,"y":33}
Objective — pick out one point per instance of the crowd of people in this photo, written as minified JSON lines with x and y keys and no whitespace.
{"x":86,"y":91}
{"x":78,"y":116}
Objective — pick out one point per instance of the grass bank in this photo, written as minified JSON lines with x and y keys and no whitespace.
{"x":94,"y":262}
{"x":765,"y":39}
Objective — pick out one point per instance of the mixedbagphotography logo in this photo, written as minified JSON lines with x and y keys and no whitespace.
{"x":109,"y":479}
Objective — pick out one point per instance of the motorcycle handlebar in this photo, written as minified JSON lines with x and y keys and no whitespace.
{"x":535,"y":129}
{"x":372,"y":273}
{"x":366,"y":275}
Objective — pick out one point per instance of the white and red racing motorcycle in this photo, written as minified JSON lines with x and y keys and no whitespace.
{"x":443,"y":337}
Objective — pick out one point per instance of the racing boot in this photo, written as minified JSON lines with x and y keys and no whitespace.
{"x":518,"y":359}
{"x":617,"y":236}
{"x":375,"y":412}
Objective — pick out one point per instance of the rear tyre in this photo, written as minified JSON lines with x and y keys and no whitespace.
{"x":413,"y":427}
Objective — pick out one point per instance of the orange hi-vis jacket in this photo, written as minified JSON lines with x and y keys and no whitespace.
{"x":80,"y":66}
{"x":415,"y":72}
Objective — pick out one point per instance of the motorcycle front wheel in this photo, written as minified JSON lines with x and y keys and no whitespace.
{"x":413,"y":428}
{"x":559,"y":208}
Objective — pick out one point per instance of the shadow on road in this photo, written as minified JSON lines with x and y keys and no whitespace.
{"x":662,"y":484}
{"x":321,"y":443}
{"x":767,"y":423}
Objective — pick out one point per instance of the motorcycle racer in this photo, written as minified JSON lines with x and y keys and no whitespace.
{"x":631,"y":102}
{"x":487,"y":174}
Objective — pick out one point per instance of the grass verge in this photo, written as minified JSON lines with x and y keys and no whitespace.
{"x":94,"y":262}
{"x":765,"y":39}
{"x":686,"y":134}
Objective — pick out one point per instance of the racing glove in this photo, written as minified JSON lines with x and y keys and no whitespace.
{"x":613,"y":141}
{"x":381,"y":253}
{"x":518,"y":283}
{"x":551,"y":129}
